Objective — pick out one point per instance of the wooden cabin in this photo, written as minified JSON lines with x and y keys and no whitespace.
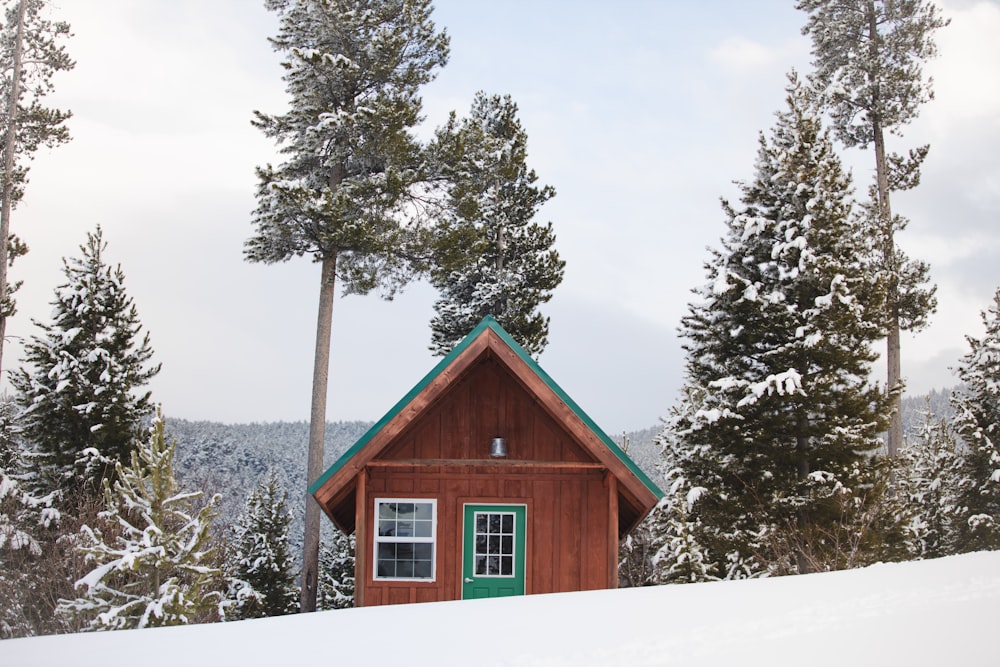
{"x":485,"y":480}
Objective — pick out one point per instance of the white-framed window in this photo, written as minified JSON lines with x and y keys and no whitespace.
{"x":405,"y":538}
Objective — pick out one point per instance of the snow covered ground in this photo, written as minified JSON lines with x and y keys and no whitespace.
{"x":938,"y":612}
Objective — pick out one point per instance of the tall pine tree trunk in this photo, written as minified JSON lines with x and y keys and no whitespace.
{"x":8,"y":170}
{"x":317,"y":430}
{"x":893,"y":373}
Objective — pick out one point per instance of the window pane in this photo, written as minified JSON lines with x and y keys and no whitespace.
{"x":506,"y":565}
{"x":507,"y":544}
{"x":494,"y":544}
{"x":423,"y":511}
{"x":481,"y":520}
{"x":386,"y":511}
{"x":508,"y":524}
{"x":387,"y":552}
{"x":404,"y":529}
{"x":422,"y":569}
{"x":387,"y":568}
{"x":404,"y":568}
{"x":423,"y":552}
{"x":480,"y":565}
{"x":386,"y":527}
{"x":481,"y":544}
{"x":494,"y":523}
{"x":422,"y":528}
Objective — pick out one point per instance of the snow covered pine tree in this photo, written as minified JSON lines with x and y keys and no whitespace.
{"x":336,"y":577}
{"x":260,"y":566}
{"x":151,"y":550}
{"x":491,"y":258}
{"x":27,"y":519}
{"x":977,"y":421}
{"x":780,"y":419}
{"x":80,"y":400}
{"x":353,"y":70}
{"x":926,"y":484}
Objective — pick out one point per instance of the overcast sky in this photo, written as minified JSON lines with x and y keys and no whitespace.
{"x":640,"y":114}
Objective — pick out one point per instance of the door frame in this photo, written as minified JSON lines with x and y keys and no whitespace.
{"x":520,"y":538}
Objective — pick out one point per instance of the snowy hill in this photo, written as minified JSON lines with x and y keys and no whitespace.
{"x":938,"y":612}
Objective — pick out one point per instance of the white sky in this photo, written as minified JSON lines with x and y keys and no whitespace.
{"x":927,"y":613}
{"x":640,"y":113}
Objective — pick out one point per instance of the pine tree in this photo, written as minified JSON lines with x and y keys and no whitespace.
{"x":150,"y":552}
{"x":491,"y":257}
{"x":926,"y":480}
{"x":977,"y":422}
{"x":260,"y":563}
{"x":869,"y":57}
{"x":780,"y":419}
{"x":28,"y":520}
{"x":680,"y":558}
{"x":336,"y":572}
{"x":635,"y":554}
{"x":680,"y":535}
{"x":80,"y":400}
{"x":353,"y":72}
{"x":30,"y":54}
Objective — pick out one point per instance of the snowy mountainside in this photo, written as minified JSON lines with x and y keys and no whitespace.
{"x":937,"y":400}
{"x":641,"y":447}
{"x":230,"y":459}
{"x":932,"y":612}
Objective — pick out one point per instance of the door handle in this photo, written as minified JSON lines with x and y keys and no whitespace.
{"x":468,"y":581}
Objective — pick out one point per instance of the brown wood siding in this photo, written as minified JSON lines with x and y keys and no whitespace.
{"x":487,"y":402}
{"x":567,"y":523}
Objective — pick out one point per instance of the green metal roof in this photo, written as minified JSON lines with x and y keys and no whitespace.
{"x":488,"y":323}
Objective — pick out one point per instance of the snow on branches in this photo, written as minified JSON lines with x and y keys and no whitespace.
{"x":150,"y":551}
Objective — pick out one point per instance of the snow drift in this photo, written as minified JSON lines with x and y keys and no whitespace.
{"x":931,"y":612}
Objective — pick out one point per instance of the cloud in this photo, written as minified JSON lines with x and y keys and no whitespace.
{"x":739,"y":55}
{"x":965,"y":71}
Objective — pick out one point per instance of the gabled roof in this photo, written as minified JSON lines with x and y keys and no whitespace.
{"x":336,"y":484}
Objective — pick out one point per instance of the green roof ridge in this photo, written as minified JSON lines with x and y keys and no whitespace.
{"x":487,"y":322}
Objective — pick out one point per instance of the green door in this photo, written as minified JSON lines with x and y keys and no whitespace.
{"x":493,"y":551}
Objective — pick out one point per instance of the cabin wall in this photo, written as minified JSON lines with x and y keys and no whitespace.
{"x":488,"y":402}
{"x":569,"y":526}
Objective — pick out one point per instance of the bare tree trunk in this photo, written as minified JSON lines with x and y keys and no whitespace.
{"x":317,"y":431}
{"x":8,"y":169}
{"x":893,"y":372}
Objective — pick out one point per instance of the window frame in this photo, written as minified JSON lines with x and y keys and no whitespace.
{"x":378,"y":539}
